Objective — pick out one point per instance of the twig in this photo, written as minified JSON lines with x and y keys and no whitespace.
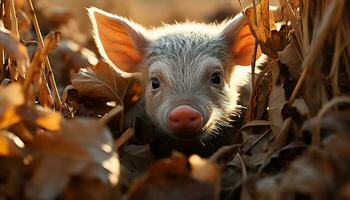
{"x":2,"y":52}
{"x":257,"y":141}
{"x":255,"y":14}
{"x":244,"y":169}
{"x":111,"y":114}
{"x":14,"y":21}
{"x":334,"y":73}
{"x":124,"y":137}
{"x":21,"y":64}
{"x":241,"y":5}
{"x":51,"y":76}
{"x":253,"y":62}
{"x":36,"y":65}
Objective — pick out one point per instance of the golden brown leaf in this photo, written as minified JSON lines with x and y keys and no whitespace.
{"x":10,"y":145}
{"x":70,"y":57}
{"x":10,"y":97}
{"x":41,"y":117}
{"x":203,"y":170}
{"x":262,"y":25}
{"x":259,"y":20}
{"x":82,"y":147}
{"x":171,"y":179}
{"x":52,"y":41}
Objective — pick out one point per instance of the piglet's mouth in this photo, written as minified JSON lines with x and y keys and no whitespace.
{"x":187,"y":135}
{"x":194,"y":136}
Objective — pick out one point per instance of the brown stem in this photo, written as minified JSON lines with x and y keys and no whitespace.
{"x":58,"y":103}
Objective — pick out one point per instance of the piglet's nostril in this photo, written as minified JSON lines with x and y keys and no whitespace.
{"x":174,"y":120}
{"x":185,"y":121}
{"x":194,"y":119}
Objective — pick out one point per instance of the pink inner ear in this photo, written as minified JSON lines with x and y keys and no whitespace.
{"x":118,"y":42}
{"x":243,"y":47}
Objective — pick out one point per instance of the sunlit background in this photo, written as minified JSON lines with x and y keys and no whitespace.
{"x":149,"y":12}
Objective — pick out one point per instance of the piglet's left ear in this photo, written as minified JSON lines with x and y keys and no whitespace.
{"x":240,"y":40}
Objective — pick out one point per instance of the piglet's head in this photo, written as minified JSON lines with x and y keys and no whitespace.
{"x":186,"y":68}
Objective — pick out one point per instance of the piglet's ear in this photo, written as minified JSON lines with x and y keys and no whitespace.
{"x":240,"y":40}
{"x":120,"y":41}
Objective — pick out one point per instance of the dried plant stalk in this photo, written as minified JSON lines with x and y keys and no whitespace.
{"x":51,"y":76}
{"x":330,"y":19}
{"x":21,"y":64}
{"x":2,"y":52}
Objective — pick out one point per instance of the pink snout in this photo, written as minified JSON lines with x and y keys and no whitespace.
{"x":184,"y":121}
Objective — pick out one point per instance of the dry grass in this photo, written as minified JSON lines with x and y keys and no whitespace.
{"x":295,"y":143}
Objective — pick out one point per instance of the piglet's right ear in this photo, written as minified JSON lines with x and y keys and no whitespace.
{"x":120,"y":41}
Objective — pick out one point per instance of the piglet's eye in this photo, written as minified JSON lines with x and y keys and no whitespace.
{"x":155,"y":83}
{"x":216,"y":78}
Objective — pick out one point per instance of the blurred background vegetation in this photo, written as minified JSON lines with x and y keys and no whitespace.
{"x":148,"y":12}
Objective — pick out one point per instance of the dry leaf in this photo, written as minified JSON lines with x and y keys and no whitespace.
{"x":202,"y":170}
{"x":10,"y":97}
{"x":82,"y":148}
{"x":277,"y":100}
{"x":12,"y":46}
{"x":69,"y":58}
{"x":103,"y":82}
{"x":259,"y":20}
{"x":77,"y":159}
{"x":52,"y":41}
{"x":36,"y":66}
{"x":136,"y":159}
{"x":41,"y":117}
{"x":10,"y":144}
{"x":261,"y":23}
{"x":171,"y":179}
{"x":318,"y":170}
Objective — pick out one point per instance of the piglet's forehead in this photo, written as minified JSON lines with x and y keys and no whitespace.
{"x":186,"y":46}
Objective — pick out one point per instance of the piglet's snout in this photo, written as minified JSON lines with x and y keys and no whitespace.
{"x":184,"y":121}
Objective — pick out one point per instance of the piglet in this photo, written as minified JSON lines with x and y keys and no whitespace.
{"x":189,"y":74}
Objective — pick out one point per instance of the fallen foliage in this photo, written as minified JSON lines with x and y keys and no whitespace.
{"x":64,"y":134}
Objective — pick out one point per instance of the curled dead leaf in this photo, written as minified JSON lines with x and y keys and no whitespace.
{"x":259,"y":20}
{"x":261,"y":23}
{"x":52,"y":41}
